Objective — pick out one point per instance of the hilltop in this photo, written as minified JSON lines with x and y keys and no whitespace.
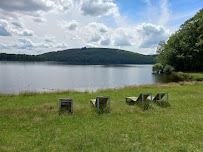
{"x":85,"y":56}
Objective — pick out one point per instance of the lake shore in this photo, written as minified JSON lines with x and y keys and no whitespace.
{"x":30,"y":121}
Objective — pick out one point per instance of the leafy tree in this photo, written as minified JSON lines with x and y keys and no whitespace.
{"x":168,"y":69}
{"x":157,"y":68}
{"x":184,"y":49}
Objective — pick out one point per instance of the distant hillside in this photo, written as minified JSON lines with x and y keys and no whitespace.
{"x":86,"y":56}
{"x":19,"y":57}
{"x":98,"y":56}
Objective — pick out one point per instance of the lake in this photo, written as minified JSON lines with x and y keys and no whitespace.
{"x":16,"y":77}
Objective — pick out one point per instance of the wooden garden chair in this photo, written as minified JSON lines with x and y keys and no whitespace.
{"x":66,"y":103}
{"x":159,"y":96}
{"x":142,"y":97}
{"x":100,"y":101}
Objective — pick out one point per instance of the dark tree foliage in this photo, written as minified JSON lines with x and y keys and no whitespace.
{"x":19,"y":57}
{"x":85,"y":56}
{"x":184,"y":49}
{"x":98,"y":56}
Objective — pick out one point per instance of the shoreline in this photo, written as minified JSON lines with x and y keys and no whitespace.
{"x":101,"y":90}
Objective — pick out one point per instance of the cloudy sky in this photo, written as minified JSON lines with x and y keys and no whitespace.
{"x":38,"y":26}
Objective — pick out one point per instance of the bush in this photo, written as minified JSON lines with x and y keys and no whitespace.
{"x":157,"y":68}
{"x":168,"y":69}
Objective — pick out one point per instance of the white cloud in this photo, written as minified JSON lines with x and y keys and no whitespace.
{"x":165,"y":15}
{"x":122,"y":41}
{"x":72,"y":25}
{"x":63,"y":5}
{"x":144,"y":35}
{"x":4,"y":28}
{"x":26,"y":5}
{"x":150,"y":34}
{"x":39,"y":20}
{"x":17,"y":24}
{"x":26,"y":33}
{"x":98,"y":8}
{"x":95,"y":38}
{"x":61,"y":45}
{"x":3,"y":46}
{"x":92,"y":23}
{"x":106,"y":42}
{"x":99,"y":27}
{"x":122,"y":37}
{"x":27,"y":44}
{"x":49,"y":38}
{"x":90,"y":45}
{"x":94,"y":32}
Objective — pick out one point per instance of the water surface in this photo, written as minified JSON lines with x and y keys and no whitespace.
{"x":16,"y":77}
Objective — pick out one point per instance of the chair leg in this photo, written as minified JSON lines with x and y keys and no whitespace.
{"x":59,"y":107}
{"x":167,"y":96}
{"x":97,"y":105}
{"x":142,"y":100}
{"x":71,"y":106}
{"x":160,"y":99}
{"x":109,"y":103}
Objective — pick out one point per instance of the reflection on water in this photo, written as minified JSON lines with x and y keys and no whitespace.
{"x":165,"y":78}
{"x":17,"y":77}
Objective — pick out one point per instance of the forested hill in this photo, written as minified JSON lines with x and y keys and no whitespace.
{"x":98,"y":56}
{"x":86,"y":56}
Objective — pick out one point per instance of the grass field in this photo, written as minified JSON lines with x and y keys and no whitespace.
{"x":30,"y":121}
{"x":190,"y":76}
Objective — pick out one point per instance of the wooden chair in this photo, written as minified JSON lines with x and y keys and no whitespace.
{"x":66,"y":103}
{"x":101,"y":101}
{"x":159,"y":96}
{"x":142,"y":97}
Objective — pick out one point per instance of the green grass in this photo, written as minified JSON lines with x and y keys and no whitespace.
{"x":190,"y":76}
{"x":196,"y":74}
{"x":30,"y":121}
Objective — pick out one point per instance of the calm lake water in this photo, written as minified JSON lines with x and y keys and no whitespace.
{"x":16,"y":77}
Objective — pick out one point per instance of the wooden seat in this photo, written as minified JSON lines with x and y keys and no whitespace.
{"x":100,"y":101}
{"x":159,"y":96}
{"x":66,"y":103}
{"x":142,"y":97}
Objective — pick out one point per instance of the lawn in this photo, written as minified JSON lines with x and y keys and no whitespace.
{"x":190,"y":76}
{"x":30,"y":121}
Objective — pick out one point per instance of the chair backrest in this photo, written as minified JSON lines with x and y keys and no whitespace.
{"x":102,"y":100}
{"x":161,"y":95}
{"x":145,"y":95}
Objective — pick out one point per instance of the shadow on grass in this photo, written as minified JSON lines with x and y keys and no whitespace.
{"x":65,"y":110}
{"x":162,"y":104}
{"x":147,"y":104}
{"x":103,"y":109}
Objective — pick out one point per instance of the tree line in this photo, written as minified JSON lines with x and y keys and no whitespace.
{"x":20,"y":57}
{"x":85,"y":56}
{"x":184,"y":49}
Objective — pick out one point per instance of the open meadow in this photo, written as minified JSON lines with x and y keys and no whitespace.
{"x":30,"y":121}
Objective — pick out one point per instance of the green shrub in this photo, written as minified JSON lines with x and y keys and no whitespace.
{"x":168,"y":69}
{"x":157,"y":68}
{"x":198,"y":78}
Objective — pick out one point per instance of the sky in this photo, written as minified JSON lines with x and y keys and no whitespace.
{"x":39,"y":26}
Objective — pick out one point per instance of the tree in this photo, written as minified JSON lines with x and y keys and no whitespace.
{"x":184,"y":49}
